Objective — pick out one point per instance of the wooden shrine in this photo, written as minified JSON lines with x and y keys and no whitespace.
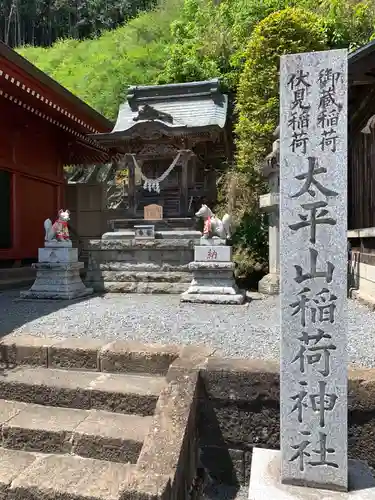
{"x":171,"y":139}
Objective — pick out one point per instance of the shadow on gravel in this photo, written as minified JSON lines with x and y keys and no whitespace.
{"x":16,"y":312}
{"x":223,"y":492}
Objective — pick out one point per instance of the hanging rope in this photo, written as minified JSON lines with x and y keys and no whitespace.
{"x":154,"y":184}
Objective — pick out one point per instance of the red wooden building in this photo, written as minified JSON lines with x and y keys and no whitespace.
{"x":42,"y":128}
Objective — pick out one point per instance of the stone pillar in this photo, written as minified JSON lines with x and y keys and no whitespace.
{"x":213,"y":279}
{"x":58,"y":274}
{"x":270,"y":284}
{"x":313,"y":303}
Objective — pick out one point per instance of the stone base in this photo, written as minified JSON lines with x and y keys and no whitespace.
{"x":58,"y":295}
{"x":58,"y":244}
{"x":213,"y":298}
{"x":129,"y":265}
{"x":139,"y":286}
{"x":265,"y":481}
{"x":269,"y":284}
{"x":213,"y":283}
{"x":215,"y":240}
{"x":57,"y":254}
{"x":56,"y":281}
{"x":159,"y":235}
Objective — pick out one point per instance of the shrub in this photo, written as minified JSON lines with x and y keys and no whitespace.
{"x":288,"y":31}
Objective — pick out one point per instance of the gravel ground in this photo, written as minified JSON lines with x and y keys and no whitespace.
{"x":237,"y":331}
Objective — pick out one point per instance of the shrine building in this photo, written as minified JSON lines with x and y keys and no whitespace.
{"x":43,"y":128}
{"x":172,"y":140}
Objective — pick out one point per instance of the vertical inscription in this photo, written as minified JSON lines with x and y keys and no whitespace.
{"x":313,"y":212}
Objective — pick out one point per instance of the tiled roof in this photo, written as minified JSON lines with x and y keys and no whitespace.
{"x":175,"y":107}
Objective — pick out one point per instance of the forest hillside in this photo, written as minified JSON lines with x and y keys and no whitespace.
{"x":42,"y":22}
{"x":239,"y":41}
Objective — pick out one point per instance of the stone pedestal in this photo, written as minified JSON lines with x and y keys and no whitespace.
{"x":213,"y":280}
{"x":266,"y":473}
{"x":58,"y":274}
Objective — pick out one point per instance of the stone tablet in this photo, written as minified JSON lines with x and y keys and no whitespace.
{"x":153,"y":212}
{"x":214,"y":253}
{"x":144,"y":232}
{"x":313,"y":265}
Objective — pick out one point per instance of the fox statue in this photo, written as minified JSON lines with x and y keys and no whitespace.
{"x":58,"y":231}
{"x":213,"y":226}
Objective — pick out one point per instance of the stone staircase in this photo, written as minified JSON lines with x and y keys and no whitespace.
{"x":80,"y":419}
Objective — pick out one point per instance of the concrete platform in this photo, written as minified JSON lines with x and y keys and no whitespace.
{"x":265,"y":481}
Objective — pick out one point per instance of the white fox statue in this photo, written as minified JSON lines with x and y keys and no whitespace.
{"x":58,"y":231}
{"x":213,"y":226}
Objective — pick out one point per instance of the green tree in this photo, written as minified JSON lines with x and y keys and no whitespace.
{"x":290,"y":30}
{"x":41,"y":22}
{"x":209,"y":39}
{"x":99,"y":71}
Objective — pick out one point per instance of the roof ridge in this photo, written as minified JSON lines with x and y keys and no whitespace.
{"x":173,"y":90}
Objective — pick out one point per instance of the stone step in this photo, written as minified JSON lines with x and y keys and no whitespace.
{"x":139,"y":276}
{"x":119,"y":393}
{"x":204,"y":298}
{"x":31,"y":476}
{"x":88,"y":433}
{"x":159,"y":235}
{"x":87,"y":354}
{"x":138,"y":287}
{"x":149,"y":267}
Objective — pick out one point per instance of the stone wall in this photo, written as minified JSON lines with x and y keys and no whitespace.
{"x":362,"y":277}
{"x":159,"y":265}
{"x":239,"y":409}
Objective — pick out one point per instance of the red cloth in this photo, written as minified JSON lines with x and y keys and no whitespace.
{"x":207,"y":226}
{"x":61,"y":230}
